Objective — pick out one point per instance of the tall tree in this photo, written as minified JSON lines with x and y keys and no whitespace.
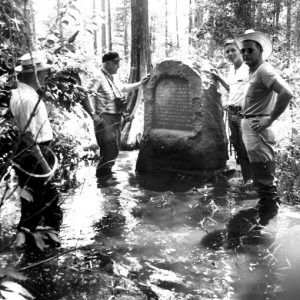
{"x":277,"y":9}
{"x":126,"y":17}
{"x":288,"y":29}
{"x":103,"y":26}
{"x":140,"y":53}
{"x":59,"y":21}
{"x":297,"y":29}
{"x":29,"y":19}
{"x":191,"y":23}
{"x":121,"y":27}
{"x":109,"y":26}
{"x":166,"y":30}
{"x":259,"y":15}
{"x":95,"y":31}
{"x":176,"y":20}
{"x":140,"y":45}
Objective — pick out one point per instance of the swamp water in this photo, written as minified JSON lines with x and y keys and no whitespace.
{"x":142,"y":238}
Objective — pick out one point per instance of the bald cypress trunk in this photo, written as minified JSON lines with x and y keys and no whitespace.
{"x":103,"y":27}
{"x":288,"y":29}
{"x":140,"y":58}
{"x":297,"y":30}
{"x":29,"y":20}
{"x":109,"y":26}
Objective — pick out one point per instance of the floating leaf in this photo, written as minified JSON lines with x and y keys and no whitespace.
{"x":10,"y":272}
{"x":39,"y":241}
{"x":54,"y":237}
{"x":10,"y":290}
{"x":25,"y":194}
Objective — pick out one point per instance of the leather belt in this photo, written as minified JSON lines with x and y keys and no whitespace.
{"x":47,"y":143}
{"x":234,"y":109}
{"x":254,"y":116}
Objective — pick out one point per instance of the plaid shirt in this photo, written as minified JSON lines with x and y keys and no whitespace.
{"x":107,"y":91}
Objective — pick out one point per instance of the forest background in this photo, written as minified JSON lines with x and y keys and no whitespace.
{"x":75,"y":34}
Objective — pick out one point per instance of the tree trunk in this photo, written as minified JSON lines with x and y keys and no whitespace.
{"x":140,"y":58}
{"x":109,"y":26}
{"x":199,"y":15}
{"x":277,"y":8}
{"x":95,"y":30}
{"x":103,"y":27}
{"x":288,"y":29}
{"x":259,"y":14}
{"x":190,"y":22}
{"x":61,"y":32}
{"x":29,"y":25}
{"x":152,"y":35}
{"x":297,"y":30}
{"x":126,"y":51}
{"x":166,"y":29}
{"x":176,"y":19}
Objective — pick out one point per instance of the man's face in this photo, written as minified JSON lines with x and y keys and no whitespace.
{"x":251,"y":53}
{"x":232,"y":53}
{"x":42,"y":76}
{"x":112,"y":66}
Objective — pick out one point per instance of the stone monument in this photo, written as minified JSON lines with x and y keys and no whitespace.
{"x":184,"y":131}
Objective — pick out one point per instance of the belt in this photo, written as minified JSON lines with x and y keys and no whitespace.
{"x":234,"y":109}
{"x":47,"y":143}
{"x":254,"y":116}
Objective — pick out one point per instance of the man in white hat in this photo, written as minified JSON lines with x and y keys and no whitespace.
{"x":266,"y":99}
{"x":32,"y":158}
{"x":236,"y":84}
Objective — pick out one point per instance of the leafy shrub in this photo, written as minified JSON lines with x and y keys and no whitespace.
{"x":288,"y":171}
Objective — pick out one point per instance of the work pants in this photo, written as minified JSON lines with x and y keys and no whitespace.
{"x":260,"y":148}
{"x":108,"y":136}
{"x":39,"y":200}
{"x":234,"y":122}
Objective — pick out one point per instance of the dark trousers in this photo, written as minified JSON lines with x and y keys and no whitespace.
{"x":108,"y":136}
{"x":43,"y":208}
{"x":234,"y":121}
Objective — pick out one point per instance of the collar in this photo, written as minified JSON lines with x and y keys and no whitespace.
{"x":254,"y":69}
{"x":107,"y":74}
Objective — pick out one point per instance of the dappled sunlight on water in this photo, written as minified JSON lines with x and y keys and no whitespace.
{"x":81,"y":210}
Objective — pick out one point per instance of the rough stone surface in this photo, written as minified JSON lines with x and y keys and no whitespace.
{"x":184,"y":130}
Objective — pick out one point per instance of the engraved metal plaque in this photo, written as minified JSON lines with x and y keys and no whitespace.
{"x":173,"y":107}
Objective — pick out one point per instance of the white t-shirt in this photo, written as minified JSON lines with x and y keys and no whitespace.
{"x":260,"y":98}
{"x":22,"y":104}
{"x":238,"y":84}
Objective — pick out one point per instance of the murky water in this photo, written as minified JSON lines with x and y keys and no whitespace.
{"x":142,"y":238}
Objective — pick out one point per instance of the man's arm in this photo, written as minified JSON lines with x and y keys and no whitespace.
{"x":86,"y":104}
{"x":36,"y":151}
{"x":217,"y":76}
{"x":133,"y":86}
{"x":284,"y":97}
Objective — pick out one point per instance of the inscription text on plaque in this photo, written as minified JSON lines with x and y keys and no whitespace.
{"x":173,"y":107}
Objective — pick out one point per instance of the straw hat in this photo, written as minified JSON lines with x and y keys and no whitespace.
{"x":257,"y":36}
{"x":37,"y":58}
